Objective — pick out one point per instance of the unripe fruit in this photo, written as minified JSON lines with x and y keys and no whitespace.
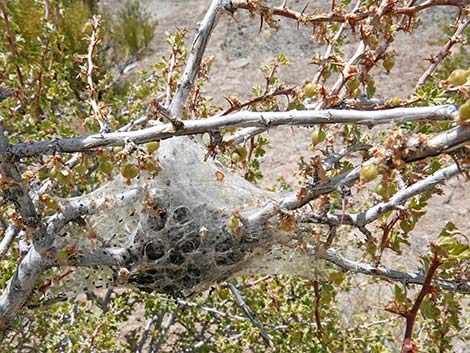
{"x":81,"y":168}
{"x":318,"y":136}
{"x":352,"y":84}
{"x":242,"y":152}
{"x":64,"y":177}
{"x":388,"y":64}
{"x":117,"y":149}
{"x":356,"y":93}
{"x":458,"y":77}
{"x":395,"y":101}
{"x":369,"y":172}
{"x":151,"y":166}
{"x":232,"y":222}
{"x":311,"y":89}
{"x":49,"y":202}
{"x":52,"y":204}
{"x":464,"y":111}
{"x":106,"y":166}
{"x":235,"y":157}
{"x":326,"y":74}
{"x":152,"y":146}
{"x":129,"y":171}
{"x":380,"y":189}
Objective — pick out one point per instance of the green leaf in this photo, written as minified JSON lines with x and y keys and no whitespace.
{"x":429,"y":310}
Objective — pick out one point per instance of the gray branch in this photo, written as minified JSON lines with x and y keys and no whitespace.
{"x":442,"y":142}
{"x":236,"y":120}
{"x":10,"y":235}
{"x":426,"y":184}
{"x":20,"y":287}
{"x":250,"y":313}
{"x":204,"y":31}
{"x":332,"y":256}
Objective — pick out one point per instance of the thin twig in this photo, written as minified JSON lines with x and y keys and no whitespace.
{"x":10,"y":235}
{"x":97,"y":107}
{"x":156,"y":345}
{"x":331,"y":43}
{"x":445,"y":51}
{"x":332,"y":256}
{"x":251,"y":314}
{"x":426,"y":289}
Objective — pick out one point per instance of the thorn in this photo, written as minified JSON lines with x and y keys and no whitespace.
{"x":301,"y":14}
{"x":229,"y":102}
{"x":260,"y":23}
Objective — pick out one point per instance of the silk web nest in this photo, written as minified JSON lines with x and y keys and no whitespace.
{"x":171,"y":230}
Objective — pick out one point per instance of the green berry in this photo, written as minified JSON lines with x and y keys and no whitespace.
{"x":326,"y":74}
{"x":235,"y":157}
{"x":318,"y":136}
{"x":395,"y":101}
{"x":369,"y":172}
{"x":233,"y":222}
{"x":152,"y":146}
{"x":458,"y":77}
{"x":464,"y":111}
{"x":50,"y":202}
{"x":311,"y":89}
{"x":117,"y":149}
{"x":380,"y":189}
{"x":389,"y":63}
{"x":129,"y":171}
{"x":242,"y":152}
{"x":106,"y":166}
{"x":151,"y":166}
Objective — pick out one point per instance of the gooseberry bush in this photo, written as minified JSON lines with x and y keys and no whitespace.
{"x":132,"y":219}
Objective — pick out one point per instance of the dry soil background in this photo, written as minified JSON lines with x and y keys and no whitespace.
{"x":240,"y":50}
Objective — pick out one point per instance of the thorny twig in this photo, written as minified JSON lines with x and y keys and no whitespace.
{"x":445,"y":51}
{"x":331,"y":43}
{"x":10,"y":36}
{"x":427,"y":288}
{"x":99,"y":110}
{"x":265,"y":96}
